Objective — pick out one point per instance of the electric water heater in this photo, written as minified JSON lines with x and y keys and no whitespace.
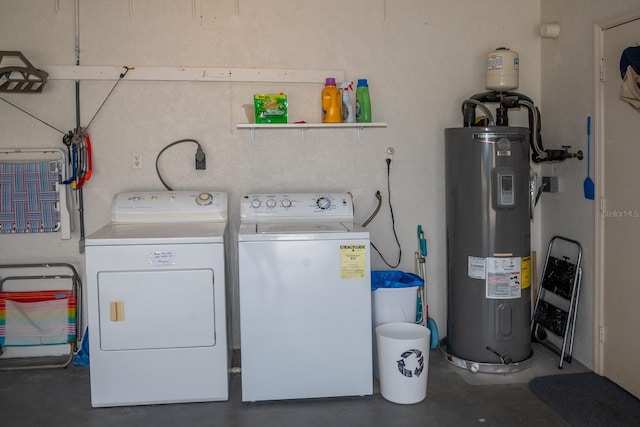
{"x":489,"y":208}
{"x":488,"y":244}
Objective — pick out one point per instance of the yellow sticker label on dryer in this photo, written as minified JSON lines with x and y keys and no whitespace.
{"x":353,"y":261}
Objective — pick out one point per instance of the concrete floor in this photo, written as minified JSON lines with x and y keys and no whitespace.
{"x":455,"y":397}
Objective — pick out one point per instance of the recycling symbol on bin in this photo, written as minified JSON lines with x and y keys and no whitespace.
{"x":414,"y":358}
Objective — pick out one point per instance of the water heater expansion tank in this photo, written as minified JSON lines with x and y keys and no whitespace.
{"x":502,"y":70}
{"x":488,"y":244}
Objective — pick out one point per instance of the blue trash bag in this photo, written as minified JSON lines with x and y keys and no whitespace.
{"x":82,"y":356}
{"x":394,"y":279}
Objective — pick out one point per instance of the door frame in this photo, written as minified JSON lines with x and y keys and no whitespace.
{"x":599,"y":33}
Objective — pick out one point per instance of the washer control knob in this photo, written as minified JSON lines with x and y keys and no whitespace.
{"x":286,"y":203}
{"x":204,"y":199}
{"x":323,"y":203}
{"x":271,"y":203}
{"x":255,"y":203}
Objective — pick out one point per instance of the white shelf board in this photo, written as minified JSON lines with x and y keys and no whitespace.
{"x":192,"y":74}
{"x":310,"y":125}
{"x":306,"y":126}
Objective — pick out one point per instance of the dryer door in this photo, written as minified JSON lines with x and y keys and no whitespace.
{"x":156,"y":309}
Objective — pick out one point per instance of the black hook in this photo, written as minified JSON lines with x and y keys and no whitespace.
{"x":126,"y":70}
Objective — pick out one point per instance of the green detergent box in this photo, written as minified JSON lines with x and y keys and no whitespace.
{"x":270,"y":108}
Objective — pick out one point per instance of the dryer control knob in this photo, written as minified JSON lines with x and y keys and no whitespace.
{"x":204,"y":199}
{"x":255,"y":203}
{"x":323,"y":203}
{"x":286,"y":203}
{"x":271,"y":203}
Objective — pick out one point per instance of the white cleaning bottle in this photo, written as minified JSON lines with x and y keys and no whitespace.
{"x":347,"y":105}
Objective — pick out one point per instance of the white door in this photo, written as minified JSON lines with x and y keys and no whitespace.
{"x":620,"y":210}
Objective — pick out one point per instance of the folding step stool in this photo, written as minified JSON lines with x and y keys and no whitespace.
{"x":557,"y":302}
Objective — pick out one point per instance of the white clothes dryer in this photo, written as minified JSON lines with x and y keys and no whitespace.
{"x":156,"y":300}
{"x":305,"y":298}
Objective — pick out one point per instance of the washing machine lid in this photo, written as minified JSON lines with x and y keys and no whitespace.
{"x":301,"y":227}
{"x":254,"y":232}
{"x":160,"y":233}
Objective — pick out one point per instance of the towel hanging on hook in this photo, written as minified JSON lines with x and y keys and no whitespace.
{"x":630,"y":57}
{"x":630,"y":73}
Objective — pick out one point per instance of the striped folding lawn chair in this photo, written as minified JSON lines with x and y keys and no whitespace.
{"x":39,"y":317}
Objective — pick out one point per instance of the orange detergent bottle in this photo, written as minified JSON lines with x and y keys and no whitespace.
{"x":331,"y":102}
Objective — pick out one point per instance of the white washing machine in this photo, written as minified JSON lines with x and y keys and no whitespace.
{"x":156,"y":300}
{"x":305,"y":298}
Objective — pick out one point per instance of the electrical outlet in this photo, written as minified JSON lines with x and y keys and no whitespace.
{"x":388,"y":156}
{"x":550,"y":184}
{"x":136,"y":160}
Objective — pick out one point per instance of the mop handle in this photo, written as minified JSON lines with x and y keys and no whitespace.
{"x":422,"y":293}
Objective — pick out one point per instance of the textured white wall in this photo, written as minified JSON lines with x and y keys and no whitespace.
{"x":422,"y":58}
{"x":568,"y":97}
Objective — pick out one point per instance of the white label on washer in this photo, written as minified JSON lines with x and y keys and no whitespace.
{"x":504,"y":276}
{"x":476,"y":267}
{"x":162,"y":258}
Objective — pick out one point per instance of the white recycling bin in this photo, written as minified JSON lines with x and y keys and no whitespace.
{"x":403,"y":361}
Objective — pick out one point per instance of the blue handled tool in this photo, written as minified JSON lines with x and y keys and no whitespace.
{"x":422,"y":242}
{"x":424,"y":311}
{"x":589,"y":186}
